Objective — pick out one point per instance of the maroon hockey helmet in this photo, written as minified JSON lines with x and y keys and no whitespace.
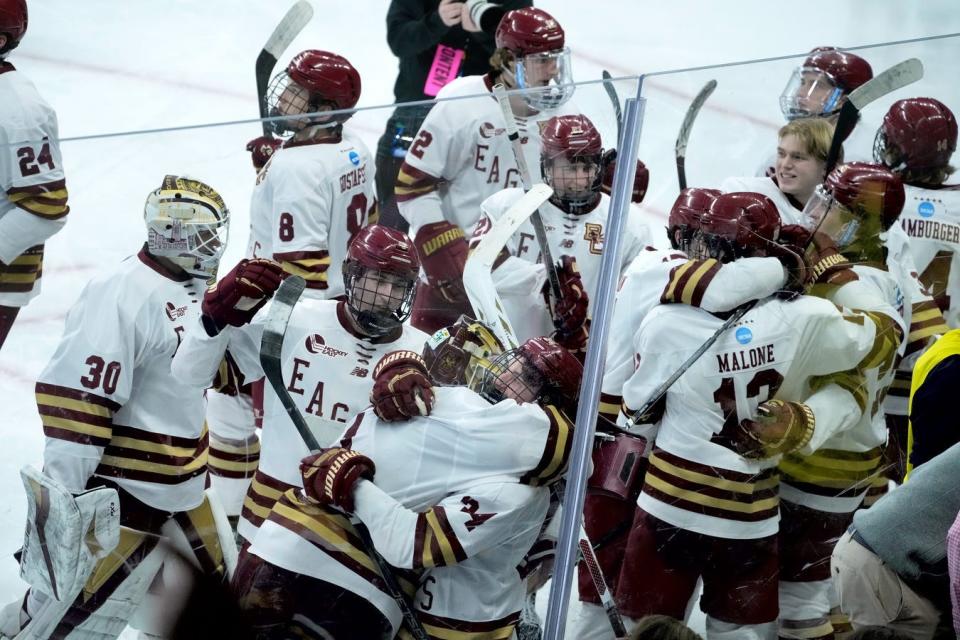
{"x":529,"y":30}
{"x":328,"y":75}
{"x":457,"y":354}
{"x":379,"y":276}
{"x":867,"y":190}
{"x":685,"y":214}
{"x":576,"y":184}
{"x":847,"y":70}
{"x":739,"y":224}
{"x":13,"y":22}
{"x":917,"y":133}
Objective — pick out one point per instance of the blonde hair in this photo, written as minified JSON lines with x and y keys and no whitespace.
{"x":814,"y":133}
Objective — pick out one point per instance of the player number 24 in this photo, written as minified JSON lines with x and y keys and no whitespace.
{"x":30,"y":162}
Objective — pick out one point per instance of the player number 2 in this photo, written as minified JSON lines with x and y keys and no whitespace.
{"x":101,"y":373}
{"x":30,"y":162}
{"x":286,"y":227}
{"x":422,"y":142}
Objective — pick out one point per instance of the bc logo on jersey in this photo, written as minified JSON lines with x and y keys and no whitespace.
{"x":744,"y":335}
{"x":354,"y":158}
{"x":926,"y":209}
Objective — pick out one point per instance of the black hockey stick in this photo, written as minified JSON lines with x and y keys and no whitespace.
{"x":513,"y":133}
{"x":684,"y":135}
{"x":292,"y":24}
{"x":896,"y":77}
{"x":614,"y":100}
{"x":271,"y":347}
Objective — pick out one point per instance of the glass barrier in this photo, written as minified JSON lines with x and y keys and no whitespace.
{"x":436,"y":170}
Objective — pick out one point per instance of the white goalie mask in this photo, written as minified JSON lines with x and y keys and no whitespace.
{"x":187,"y":223}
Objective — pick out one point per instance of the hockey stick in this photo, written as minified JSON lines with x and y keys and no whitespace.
{"x":271,"y":347}
{"x":614,"y":100}
{"x":896,"y":77}
{"x":289,"y":27}
{"x":513,"y":133}
{"x":684,"y":135}
{"x":660,"y":391}
{"x":483,"y":296}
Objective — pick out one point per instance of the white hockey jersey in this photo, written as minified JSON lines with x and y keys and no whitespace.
{"x":456,"y":494}
{"x":461,"y":155}
{"x":329,"y":373}
{"x":519,"y":279}
{"x":790,"y":210}
{"x":109,"y":403}
{"x":33,"y":202}
{"x":787,"y":350}
{"x":655,"y":277}
{"x":309,"y":201}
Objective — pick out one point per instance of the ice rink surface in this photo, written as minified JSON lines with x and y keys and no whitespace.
{"x":112,"y":66}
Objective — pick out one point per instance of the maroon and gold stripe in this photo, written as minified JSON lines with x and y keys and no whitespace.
{"x":553,"y":461}
{"x":263,"y":493}
{"x":831,"y":472}
{"x":237,"y":459}
{"x":712,"y":491}
{"x":200,"y":529}
{"x":413,"y":183}
{"x":312,"y":266}
{"x":900,"y":387}
{"x":435,"y":543}
{"x":442,"y":628}
{"x":228,"y":379}
{"x":48,"y":200}
{"x":21,"y":275}
{"x":927,"y":321}
{"x":609,"y":406}
{"x":689,"y":281}
{"x":74,"y":415}
{"x":137,"y":454}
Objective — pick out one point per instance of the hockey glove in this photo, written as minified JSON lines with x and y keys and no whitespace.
{"x":780,"y":427}
{"x":640,"y":181}
{"x":401,"y":387}
{"x":569,"y":313}
{"x":261,"y":149}
{"x":443,"y":253}
{"x":236,"y":298}
{"x":330,"y":476}
{"x":829,"y":265}
{"x":792,"y":255}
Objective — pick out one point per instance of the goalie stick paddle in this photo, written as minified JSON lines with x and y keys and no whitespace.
{"x":483,"y":296}
{"x":513,"y":133}
{"x":289,"y":27}
{"x":684,"y":135}
{"x":271,"y":347}
{"x":614,"y":100}
{"x":896,"y":77}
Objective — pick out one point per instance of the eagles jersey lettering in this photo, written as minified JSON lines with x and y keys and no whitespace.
{"x":656,"y":277}
{"x":519,"y":278}
{"x":778,"y":349}
{"x":461,"y":155}
{"x":457,"y":494}
{"x":108,"y":401}
{"x":33,"y":203}
{"x":328,"y":371}
{"x":309,"y":201}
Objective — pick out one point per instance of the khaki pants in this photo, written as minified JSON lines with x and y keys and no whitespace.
{"x":873,"y":594}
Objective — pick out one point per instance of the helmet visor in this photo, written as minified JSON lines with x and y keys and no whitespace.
{"x":548,"y":77}
{"x":809,"y":93}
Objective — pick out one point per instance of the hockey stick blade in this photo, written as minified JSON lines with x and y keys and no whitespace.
{"x":289,"y":27}
{"x":513,"y":134}
{"x":684,"y":135}
{"x":271,"y":348}
{"x":660,"y":391}
{"x":614,"y":100}
{"x":486,"y":303}
{"x":896,"y":77}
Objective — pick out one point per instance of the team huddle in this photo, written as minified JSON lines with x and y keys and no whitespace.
{"x":815,"y":286}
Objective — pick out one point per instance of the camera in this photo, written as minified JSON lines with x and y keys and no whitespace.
{"x":485,"y":14}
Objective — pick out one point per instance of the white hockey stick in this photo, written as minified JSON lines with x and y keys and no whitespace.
{"x":513,"y":133}
{"x":288,"y":28}
{"x":270,"y":350}
{"x":680,"y":150}
{"x":896,"y":77}
{"x":483,"y":296}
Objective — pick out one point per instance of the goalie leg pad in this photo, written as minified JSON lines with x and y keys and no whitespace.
{"x":66,"y":535}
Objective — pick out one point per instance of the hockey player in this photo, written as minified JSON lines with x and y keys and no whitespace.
{"x":575,"y":216}
{"x":799,"y":167}
{"x":708,"y":506}
{"x":458,"y":496}
{"x":330,"y":350}
{"x":114,"y":415}
{"x":33,"y":205}
{"x":461,"y":154}
{"x":312,"y":197}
